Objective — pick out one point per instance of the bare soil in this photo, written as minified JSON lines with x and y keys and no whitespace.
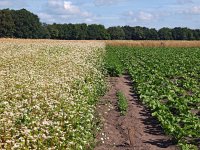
{"x":137,"y":130}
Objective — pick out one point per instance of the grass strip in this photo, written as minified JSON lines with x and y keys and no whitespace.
{"x":122,"y":103}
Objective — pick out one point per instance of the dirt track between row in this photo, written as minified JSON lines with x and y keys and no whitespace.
{"x":137,"y":130}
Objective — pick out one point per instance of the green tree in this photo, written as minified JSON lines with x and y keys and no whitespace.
{"x":74,"y":33}
{"x":97,"y":32}
{"x":116,"y":33}
{"x":165,"y":34}
{"x":182,"y":34}
{"x":44,"y":32}
{"x":82,"y":31}
{"x":53,"y":31}
{"x":196,"y":34}
{"x":190,"y":35}
{"x":139,"y":33}
{"x":152,"y":34}
{"x":128,"y":32}
{"x":27,"y":24}
{"x":7,"y":26}
{"x":70,"y":32}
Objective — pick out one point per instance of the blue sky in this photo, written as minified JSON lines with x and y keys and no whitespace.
{"x":148,"y":13}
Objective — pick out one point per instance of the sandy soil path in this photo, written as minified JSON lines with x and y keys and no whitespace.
{"x":137,"y":130}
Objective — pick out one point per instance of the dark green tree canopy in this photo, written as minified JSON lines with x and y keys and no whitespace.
{"x":27,"y":25}
{"x":165,"y":34}
{"x":128,"y":31}
{"x":97,"y":32}
{"x":116,"y":33}
{"x":7,"y":26}
{"x":24,"y":24}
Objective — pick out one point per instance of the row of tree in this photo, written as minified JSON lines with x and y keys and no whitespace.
{"x":24,"y":24}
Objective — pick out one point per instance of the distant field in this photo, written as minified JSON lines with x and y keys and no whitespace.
{"x":136,"y":43}
{"x":156,"y":43}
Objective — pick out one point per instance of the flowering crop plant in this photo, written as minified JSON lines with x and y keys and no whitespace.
{"x":48,"y":93}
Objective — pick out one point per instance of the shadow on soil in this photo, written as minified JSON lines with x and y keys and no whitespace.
{"x":152,"y":126}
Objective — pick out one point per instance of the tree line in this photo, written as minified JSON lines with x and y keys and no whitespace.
{"x":24,"y":24}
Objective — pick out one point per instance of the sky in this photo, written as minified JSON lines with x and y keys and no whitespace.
{"x":148,"y":13}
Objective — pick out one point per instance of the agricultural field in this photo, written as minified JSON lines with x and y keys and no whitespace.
{"x":154,"y":43}
{"x":167,"y":80}
{"x":48,"y":93}
{"x":50,"y":89}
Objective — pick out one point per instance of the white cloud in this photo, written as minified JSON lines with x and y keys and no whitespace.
{"x":68,"y":6}
{"x":62,"y":11}
{"x":195,"y":10}
{"x":107,"y":2}
{"x":141,"y":16}
{"x":144,"y":16}
{"x":61,"y":7}
{"x":184,"y":1}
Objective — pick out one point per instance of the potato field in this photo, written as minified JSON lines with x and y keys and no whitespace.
{"x":167,"y":80}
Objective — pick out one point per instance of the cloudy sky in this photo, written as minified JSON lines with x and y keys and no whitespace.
{"x":149,"y":13}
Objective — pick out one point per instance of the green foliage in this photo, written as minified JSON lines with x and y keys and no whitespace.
{"x":128,"y":32}
{"x":53,"y":31}
{"x":139,"y":33}
{"x":44,"y":32}
{"x":27,"y":24}
{"x":112,"y":63}
{"x":24,"y":24}
{"x":188,"y":146}
{"x":165,"y":34}
{"x":167,"y":81}
{"x":182,"y":34}
{"x":21,"y":24}
{"x":152,"y":34}
{"x":6,"y":24}
{"x":97,"y":32}
{"x":122,"y":103}
{"x":116,"y":33}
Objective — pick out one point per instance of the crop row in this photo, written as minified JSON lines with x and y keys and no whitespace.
{"x":167,"y":81}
